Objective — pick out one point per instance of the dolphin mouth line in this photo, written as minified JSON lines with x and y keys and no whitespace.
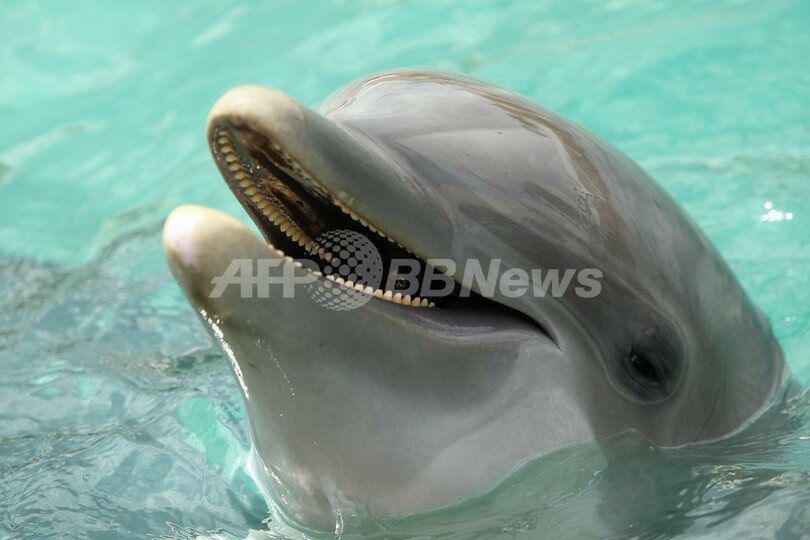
{"x":292,"y":210}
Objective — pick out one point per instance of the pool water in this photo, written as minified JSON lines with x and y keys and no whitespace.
{"x":120,"y":419}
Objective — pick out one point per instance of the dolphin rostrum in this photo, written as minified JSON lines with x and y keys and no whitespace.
{"x":582,"y":300}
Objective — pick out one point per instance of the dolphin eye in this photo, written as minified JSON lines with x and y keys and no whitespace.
{"x":646,"y":377}
{"x":642,"y":369}
{"x":650,"y":368}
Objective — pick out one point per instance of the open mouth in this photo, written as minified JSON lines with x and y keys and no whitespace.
{"x":295,"y":214}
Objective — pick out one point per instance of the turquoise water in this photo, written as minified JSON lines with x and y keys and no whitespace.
{"x":119,"y":419}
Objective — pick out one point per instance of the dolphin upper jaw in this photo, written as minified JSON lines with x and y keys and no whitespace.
{"x":326,"y":155}
{"x":342,"y":173}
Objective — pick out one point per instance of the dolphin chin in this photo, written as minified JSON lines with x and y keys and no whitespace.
{"x":416,"y":399}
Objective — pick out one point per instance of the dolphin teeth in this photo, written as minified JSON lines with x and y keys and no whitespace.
{"x":342,"y":206}
{"x":274,"y":211}
{"x":348,"y":211}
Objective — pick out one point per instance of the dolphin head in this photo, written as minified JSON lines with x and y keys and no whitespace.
{"x":578,"y":300}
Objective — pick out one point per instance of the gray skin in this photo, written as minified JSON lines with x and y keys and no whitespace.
{"x":388,"y":410}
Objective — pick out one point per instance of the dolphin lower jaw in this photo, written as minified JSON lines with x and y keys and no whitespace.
{"x":322,"y":446}
{"x":320,"y":405}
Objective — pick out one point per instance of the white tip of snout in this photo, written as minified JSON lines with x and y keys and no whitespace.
{"x":178,"y":232}
{"x":196,"y":238}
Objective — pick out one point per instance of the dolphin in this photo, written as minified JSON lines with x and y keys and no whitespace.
{"x":410,"y":402}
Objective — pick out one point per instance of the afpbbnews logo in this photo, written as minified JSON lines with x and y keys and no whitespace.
{"x":350,"y":271}
{"x":255,"y":277}
{"x":404,"y":275}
